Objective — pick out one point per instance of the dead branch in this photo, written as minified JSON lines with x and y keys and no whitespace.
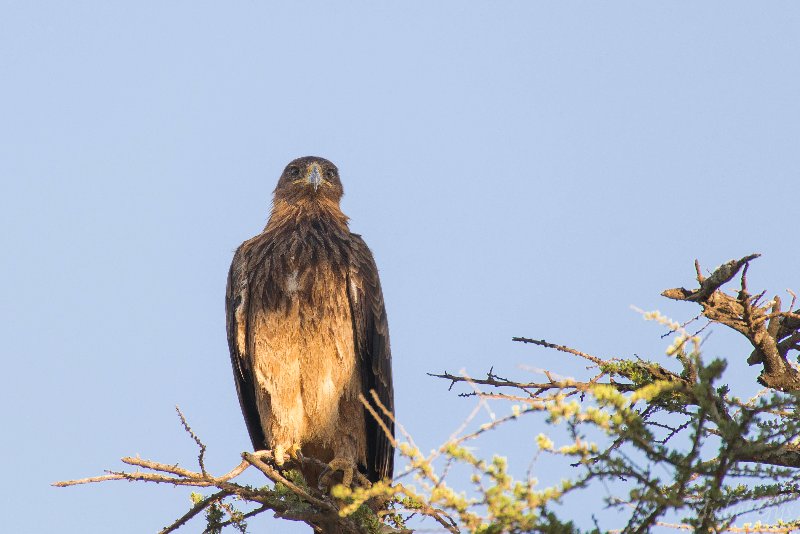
{"x":771,"y":332}
{"x":200,"y":444}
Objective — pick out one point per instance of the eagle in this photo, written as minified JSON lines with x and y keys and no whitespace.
{"x":308,"y":334}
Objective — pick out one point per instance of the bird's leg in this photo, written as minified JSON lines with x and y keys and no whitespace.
{"x":349,"y":473}
{"x":279,"y":455}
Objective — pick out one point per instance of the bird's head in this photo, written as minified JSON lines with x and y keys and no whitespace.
{"x":309,"y":179}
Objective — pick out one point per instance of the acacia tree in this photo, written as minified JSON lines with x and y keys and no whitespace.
{"x":668,"y":432}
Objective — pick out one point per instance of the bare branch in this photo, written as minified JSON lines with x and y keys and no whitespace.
{"x":87,"y":480}
{"x":771,"y":332}
{"x":562,"y":348}
{"x":201,"y":456}
{"x":721,"y":276}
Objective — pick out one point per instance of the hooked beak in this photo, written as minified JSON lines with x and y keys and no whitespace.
{"x":314,"y":176}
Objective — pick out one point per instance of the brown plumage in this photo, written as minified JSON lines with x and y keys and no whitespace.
{"x":307,"y":329}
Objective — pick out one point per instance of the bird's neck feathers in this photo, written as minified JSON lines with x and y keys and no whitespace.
{"x":315,"y":211}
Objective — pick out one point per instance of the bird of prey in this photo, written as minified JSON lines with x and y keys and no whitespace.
{"x":307,"y":331}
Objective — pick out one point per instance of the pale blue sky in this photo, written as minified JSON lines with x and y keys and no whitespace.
{"x":518,"y":168}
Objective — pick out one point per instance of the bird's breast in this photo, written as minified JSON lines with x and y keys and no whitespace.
{"x":292,"y":283}
{"x":304,"y":349}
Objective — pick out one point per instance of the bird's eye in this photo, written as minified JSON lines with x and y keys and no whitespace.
{"x":294,"y":171}
{"x":330,"y":174}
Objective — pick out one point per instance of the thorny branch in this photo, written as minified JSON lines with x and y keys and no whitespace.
{"x":200,"y":444}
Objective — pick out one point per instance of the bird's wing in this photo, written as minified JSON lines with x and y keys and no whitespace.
{"x":371,"y":332}
{"x":237,"y":301}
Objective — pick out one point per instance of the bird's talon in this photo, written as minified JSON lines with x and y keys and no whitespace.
{"x":295,"y":452}
{"x":349,"y":474}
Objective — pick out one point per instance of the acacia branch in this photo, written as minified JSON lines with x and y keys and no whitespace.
{"x":193,"y":511}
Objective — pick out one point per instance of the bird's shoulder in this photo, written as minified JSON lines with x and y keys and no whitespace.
{"x":359,"y":248}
